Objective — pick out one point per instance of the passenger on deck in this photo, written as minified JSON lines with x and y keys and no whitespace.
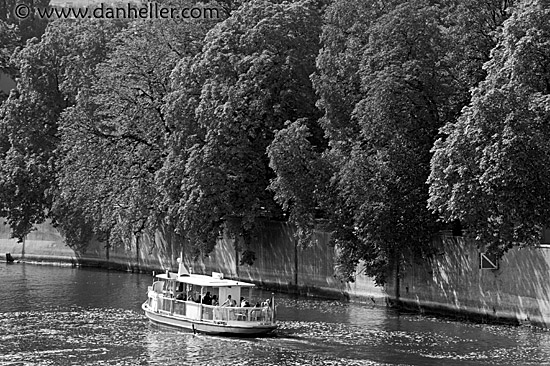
{"x":244,"y":303}
{"x":207,"y":299}
{"x":229,"y":302}
{"x":266,"y":309}
{"x":196,"y":297}
{"x":215,"y":301}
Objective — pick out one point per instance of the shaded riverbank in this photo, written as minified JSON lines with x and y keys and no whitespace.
{"x":451,"y":283}
{"x":279,"y":265}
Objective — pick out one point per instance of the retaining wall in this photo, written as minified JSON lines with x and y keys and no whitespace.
{"x":452,"y":282}
{"x":279,"y":264}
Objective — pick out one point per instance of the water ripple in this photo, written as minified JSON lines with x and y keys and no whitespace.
{"x":59,"y":316}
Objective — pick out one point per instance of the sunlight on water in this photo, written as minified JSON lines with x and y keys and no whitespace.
{"x":67,"y":316}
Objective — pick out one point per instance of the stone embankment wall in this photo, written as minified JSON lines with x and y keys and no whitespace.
{"x":279,"y":264}
{"x":453,"y":283}
{"x":43,"y":245}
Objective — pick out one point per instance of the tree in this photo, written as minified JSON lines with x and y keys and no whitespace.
{"x":405,"y":88}
{"x":254,"y":75}
{"x":14,"y":33}
{"x":51,"y":73}
{"x":301,"y":178}
{"x":388,"y":76}
{"x":473,"y":28}
{"x":489,"y":171}
{"x":28,"y":28}
{"x":115,"y":139}
{"x":8,"y":42}
{"x":344,"y":37}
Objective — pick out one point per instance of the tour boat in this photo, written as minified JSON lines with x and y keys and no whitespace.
{"x":185,"y":300}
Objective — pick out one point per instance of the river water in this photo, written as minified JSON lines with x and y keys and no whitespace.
{"x":74,"y":316}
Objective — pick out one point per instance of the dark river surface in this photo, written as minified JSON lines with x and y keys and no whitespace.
{"x":72,"y":316}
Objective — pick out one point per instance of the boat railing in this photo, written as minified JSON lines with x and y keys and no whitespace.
{"x":193,"y":310}
{"x":180,"y":307}
{"x":165,"y":304}
{"x":245,"y":314}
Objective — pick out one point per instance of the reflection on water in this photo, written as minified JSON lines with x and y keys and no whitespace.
{"x":68,"y":316}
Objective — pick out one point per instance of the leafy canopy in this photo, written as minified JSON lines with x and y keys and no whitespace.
{"x":253,"y":75}
{"x":489,"y":171}
{"x":51,"y":71}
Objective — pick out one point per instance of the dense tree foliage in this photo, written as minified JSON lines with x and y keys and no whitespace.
{"x":254,"y":75}
{"x":8,"y":42}
{"x":301,"y":176}
{"x":15,"y":32}
{"x":404,"y":88}
{"x":389,"y":75}
{"x":51,"y":72}
{"x":489,"y":171}
{"x":337,"y":80}
{"x":114,"y":140}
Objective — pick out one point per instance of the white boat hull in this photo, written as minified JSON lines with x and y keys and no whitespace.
{"x":227,"y":328}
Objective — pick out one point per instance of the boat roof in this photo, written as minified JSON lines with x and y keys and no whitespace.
{"x":202,"y":280}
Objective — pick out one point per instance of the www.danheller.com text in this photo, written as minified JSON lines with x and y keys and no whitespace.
{"x":149,"y":10}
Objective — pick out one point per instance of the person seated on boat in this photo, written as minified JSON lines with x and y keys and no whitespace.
{"x":229,"y":302}
{"x":215,"y":301}
{"x":181,"y":296}
{"x":244,"y":303}
{"x":207,"y":299}
{"x":196,"y":297}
